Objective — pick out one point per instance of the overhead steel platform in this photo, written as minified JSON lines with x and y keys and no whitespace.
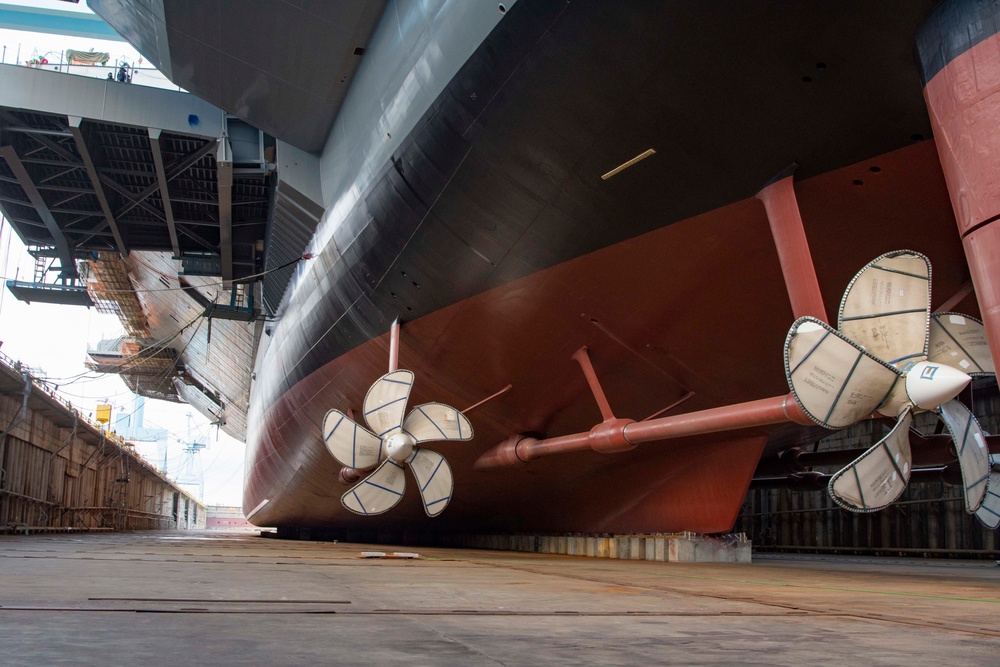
{"x":172,"y":209}
{"x":89,"y":165}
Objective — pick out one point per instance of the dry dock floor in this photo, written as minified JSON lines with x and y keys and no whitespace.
{"x":209,"y":598}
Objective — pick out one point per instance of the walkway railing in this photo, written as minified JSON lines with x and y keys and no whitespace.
{"x":55,"y":61}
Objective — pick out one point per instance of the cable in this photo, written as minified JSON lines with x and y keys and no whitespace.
{"x":168,"y":371}
{"x":277,"y":268}
{"x":156,"y":378}
{"x":91,"y":398}
{"x":148,"y":353}
{"x":67,"y":379}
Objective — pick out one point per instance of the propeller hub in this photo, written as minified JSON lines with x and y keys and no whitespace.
{"x":929,"y":385}
{"x":399,"y":446}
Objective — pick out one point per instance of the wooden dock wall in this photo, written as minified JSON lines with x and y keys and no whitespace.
{"x":58,"y":471}
{"x":929,"y":518}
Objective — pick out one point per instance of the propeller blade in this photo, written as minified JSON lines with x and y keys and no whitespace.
{"x":878,"y":477}
{"x":378,"y":492}
{"x":959,"y":341}
{"x":886,"y":308}
{"x":350,"y":443}
{"x":434,"y":479}
{"x":973,"y":454}
{"x":385,"y":402}
{"x":834,"y":381}
{"x":437,"y":421}
{"x":989,"y":512}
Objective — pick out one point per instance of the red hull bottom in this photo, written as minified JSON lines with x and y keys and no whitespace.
{"x":698,"y":307}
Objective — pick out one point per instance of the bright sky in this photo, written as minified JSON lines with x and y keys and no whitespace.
{"x":54,"y":339}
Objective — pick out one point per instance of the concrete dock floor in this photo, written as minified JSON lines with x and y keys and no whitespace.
{"x":207,"y":598}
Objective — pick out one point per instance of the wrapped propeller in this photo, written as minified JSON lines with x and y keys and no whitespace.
{"x":890,"y":356}
{"x":392,"y":444}
{"x":989,"y":512}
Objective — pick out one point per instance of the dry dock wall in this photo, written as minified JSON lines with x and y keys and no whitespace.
{"x":928,"y":519}
{"x":60,"y":472}
{"x":674,"y":548}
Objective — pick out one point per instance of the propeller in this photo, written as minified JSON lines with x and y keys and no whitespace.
{"x":392,"y":443}
{"x":989,"y":512}
{"x":891,"y":356}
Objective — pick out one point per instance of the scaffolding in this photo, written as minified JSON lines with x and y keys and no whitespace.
{"x":147,"y":371}
{"x":112,"y":291}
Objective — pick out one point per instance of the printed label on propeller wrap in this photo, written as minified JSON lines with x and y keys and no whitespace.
{"x":820,"y":379}
{"x":881,"y":293}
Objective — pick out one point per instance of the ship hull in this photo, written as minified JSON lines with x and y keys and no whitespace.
{"x":492,"y":236}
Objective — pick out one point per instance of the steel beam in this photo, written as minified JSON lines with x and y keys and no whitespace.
{"x":196,"y":223}
{"x":183,"y":164}
{"x":224,"y":167}
{"x":65,"y":188}
{"x":193,"y":292}
{"x":173,"y":171}
{"x":957,"y":298}
{"x":35,"y":130}
{"x":60,"y":174}
{"x":70,"y":197}
{"x":46,"y":162}
{"x":797,"y":267}
{"x":197,"y":239}
{"x":583,"y":358}
{"x":161,"y":178}
{"x":59,"y":208}
{"x":27,"y":184}
{"x":136,"y":200}
{"x":12,"y":124}
{"x":76,"y":128}
{"x":205,"y":202}
{"x":90,"y":233}
{"x":30,"y":223}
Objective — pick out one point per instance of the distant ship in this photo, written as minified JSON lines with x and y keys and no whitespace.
{"x":561,"y":204}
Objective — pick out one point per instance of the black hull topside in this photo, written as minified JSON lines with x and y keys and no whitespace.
{"x":500,"y":178}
